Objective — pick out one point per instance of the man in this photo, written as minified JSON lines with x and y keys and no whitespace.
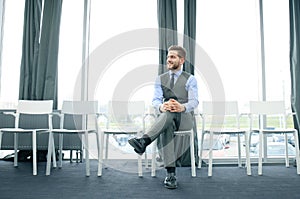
{"x":175,"y":97}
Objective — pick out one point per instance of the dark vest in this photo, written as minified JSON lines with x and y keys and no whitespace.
{"x":178,"y":92}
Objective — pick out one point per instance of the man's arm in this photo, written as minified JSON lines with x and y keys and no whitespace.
{"x":157,"y":100}
{"x":192,"y":88}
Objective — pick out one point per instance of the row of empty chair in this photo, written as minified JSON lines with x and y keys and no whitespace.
{"x":125,"y":112}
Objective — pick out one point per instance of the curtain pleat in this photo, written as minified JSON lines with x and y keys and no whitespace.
{"x":2,"y":12}
{"x":189,"y":40}
{"x":167,"y":23}
{"x":189,"y":44}
{"x":294,"y":6}
{"x":38,"y":77}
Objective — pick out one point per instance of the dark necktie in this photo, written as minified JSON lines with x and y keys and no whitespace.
{"x":172,"y":81}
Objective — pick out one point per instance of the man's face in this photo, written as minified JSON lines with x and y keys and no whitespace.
{"x":174,"y":62}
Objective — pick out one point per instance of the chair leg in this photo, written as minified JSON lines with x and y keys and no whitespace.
{"x":53,"y":152}
{"x":201,"y":150}
{"x":1,"y":133}
{"x":146,"y":160}
{"x":261,"y":145}
{"x":248,"y":163}
{"x":106,"y":146}
{"x":99,"y":154}
{"x":16,"y":149}
{"x":239,"y":151}
{"x":87,"y":158}
{"x":50,"y":148}
{"x":61,"y":137}
{"x":297,"y":151}
{"x":287,"y":164}
{"x":34,"y":152}
{"x":192,"y":153}
{"x":153,"y":165}
{"x":140,"y":169}
{"x":210,"y":153}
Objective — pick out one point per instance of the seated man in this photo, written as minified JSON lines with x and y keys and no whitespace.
{"x":175,"y":97}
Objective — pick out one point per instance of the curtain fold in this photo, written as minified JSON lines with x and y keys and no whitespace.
{"x":2,"y":12}
{"x":294,"y":7}
{"x":38,"y":77}
{"x":189,"y":42}
{"x":167,"y":23}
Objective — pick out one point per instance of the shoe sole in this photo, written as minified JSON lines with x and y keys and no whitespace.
{"x":168,"y":187}
{"x":136,"y":147}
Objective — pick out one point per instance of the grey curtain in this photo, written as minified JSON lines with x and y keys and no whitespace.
{"x":167,"y":23}
{"x":189,"y":42}
{"x":2,"y":11}
{"x":38,"y":77}
{"x":295,"y":59}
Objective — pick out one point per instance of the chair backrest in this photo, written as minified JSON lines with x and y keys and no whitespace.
{"x":79,"y":111}
{"x":125,"y":108}
{"x":215,"y":113}
{"x":220,"y":108}
{"x":267,"y":107}
{"x":34,"y":107}
{"x":79,"y":107}
{"x":264,"y":109}
{"x":124,"y":113}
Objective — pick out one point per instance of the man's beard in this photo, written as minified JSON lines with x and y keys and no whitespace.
{"x":175,"y":66}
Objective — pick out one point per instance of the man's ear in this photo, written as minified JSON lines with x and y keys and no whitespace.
{"x":182,"y":60}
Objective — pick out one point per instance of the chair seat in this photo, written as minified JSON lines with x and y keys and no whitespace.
{"x":183,"y":132}
{"x":226,"y":131}
{"x":276,"y":130}
{"x":120,"y":131}
{"x":72,"y":131}
{"x":20,"y":130}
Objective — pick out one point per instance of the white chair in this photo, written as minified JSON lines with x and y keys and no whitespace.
{"x":217,"y":112}
{"x":263,"y":111}
{"x":87,"y":111}
{"x":125,"y":118}
{"x":191,"y":135}
{"x":29,"y":107}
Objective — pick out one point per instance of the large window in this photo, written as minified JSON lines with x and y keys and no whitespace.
{"x":12,"y":52}
{"x":119,"y":20}
{"x":70,"y":49}
{"x":276,"y":29}
{"x":228,"y":31}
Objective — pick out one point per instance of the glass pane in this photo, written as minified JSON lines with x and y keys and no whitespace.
{"x":114,"y":26}
{"x":70,"y":49}
{"x":228,"y":31}
{"x":110,"y":23}
{"x":12,"y":50}
{"x":276,"y":27}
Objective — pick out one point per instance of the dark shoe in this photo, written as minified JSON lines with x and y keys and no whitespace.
{"x":170,"y":181}
{"x":138,"y":144}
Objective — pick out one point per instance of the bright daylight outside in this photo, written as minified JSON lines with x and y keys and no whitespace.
{"x":231,"y":42}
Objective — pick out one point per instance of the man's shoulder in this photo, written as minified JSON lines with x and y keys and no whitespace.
{"x":186,"y":74}
{"x":165,"y":73}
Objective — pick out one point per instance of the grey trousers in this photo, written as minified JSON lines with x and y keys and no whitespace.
{"x":165,"y":125}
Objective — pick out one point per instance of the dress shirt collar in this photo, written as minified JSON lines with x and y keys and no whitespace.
{"x":177,"y":73}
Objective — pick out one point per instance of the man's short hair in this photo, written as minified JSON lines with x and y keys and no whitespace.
{"x":181,"y":52}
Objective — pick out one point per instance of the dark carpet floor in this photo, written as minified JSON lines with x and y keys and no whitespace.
{"x":120,"y":180}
